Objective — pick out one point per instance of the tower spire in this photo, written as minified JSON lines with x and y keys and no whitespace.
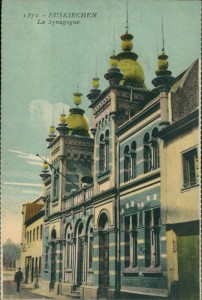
{"x":162,"y":30}
{"x":127,"y":16}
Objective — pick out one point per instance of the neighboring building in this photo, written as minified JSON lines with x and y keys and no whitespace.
{"x":11,"y":255}
{"x":31,"y":247}
{"x":180,"y":185}
{"x":114,"y":210}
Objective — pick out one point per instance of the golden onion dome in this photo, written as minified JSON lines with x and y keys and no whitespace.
{"x":127,"y":44}
{"x":52,"y":130}
{"x":77,"y":122}
{"x":113,"y":61}
{"x":63,"y":118}
{"x":95,"y":83}
{"x":132,"y":71}
{"x":162,"y":62}
{"x":45,"y":165}
{"x":77,"y":98}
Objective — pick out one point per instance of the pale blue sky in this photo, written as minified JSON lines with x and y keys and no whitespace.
{"x":41,"y":64}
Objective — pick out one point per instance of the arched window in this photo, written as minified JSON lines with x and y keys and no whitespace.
{"x":133,"y":159}
{"x":147,"y":154}
{"x":90,"y":244}
{"x":101,"y":154}
{"x":56,"y":183}
{"x":127,"y":164}
{"x":107,"y":150}
{"x":68,"y":247}
{"x":155,"y":149}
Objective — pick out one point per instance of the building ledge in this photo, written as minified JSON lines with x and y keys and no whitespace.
{"x":131,"y":271}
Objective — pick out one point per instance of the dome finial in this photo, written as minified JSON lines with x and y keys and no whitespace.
{"x":127,"y":16}
{"x":162,"y":29}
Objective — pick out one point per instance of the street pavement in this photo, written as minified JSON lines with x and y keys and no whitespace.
{"x":9,"y":292}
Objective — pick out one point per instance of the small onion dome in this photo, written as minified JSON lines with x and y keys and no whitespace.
{"x":113,"y":61}
{"x":62,"y":126}
{"x":127,"y":44}
{"x":45,"y":165}
{"x":95,"y":83}
{"x":52,"y":130}
{"x":62,"y":118}
{"x":44,"y":173}
{"x":162,"y":62}
{"x":94,"y":92}
{"x":77,"y":98}
{"x":77,"y":122}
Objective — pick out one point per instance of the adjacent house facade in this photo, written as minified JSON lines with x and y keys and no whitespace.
{"x":31,"y":246}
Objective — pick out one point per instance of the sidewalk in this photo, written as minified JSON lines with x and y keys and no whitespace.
{"x":38,"y":291}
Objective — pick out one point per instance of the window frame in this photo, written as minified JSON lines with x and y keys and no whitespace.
{"x":196,"y":168}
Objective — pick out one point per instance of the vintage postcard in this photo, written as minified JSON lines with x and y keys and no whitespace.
{"x":100,"y":149}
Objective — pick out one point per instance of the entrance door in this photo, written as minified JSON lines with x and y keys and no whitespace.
{"x":104,"y":260}
{"x":80,"y":262}
{"x":53,"y":266}
{"x":188,"y":263}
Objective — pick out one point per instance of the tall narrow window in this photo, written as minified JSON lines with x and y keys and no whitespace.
{"x":127,"y":164}
{"x":34,"y":235}
{"x":107,"y":149}
{"x":131,"y":241}
{"x":152,"y":238}
{"x":127,"y":241}
{"x":155,"y":149}
{"x":190,"y":168}
{"x":101,"y":154}
{"x":68,"y":248}
{"x":147,"y":154}
{"x":90,"y":248}
{"x":41,"y":231}
{"x":28,"y":237}
{"x":133,"y":160}
{"x":56,"y":184}
{"x":37,"y":232}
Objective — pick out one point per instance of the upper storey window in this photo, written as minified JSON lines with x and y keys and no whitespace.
{"x":127,"y":164}
{"x":190,"y":168}
{"x":130,"y":166}
{"x":151,"y":151}
{"x":104,"y":152}
{"x":147,"y":154}
{"x":155,"y":149}
{"x":56,"y":184}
